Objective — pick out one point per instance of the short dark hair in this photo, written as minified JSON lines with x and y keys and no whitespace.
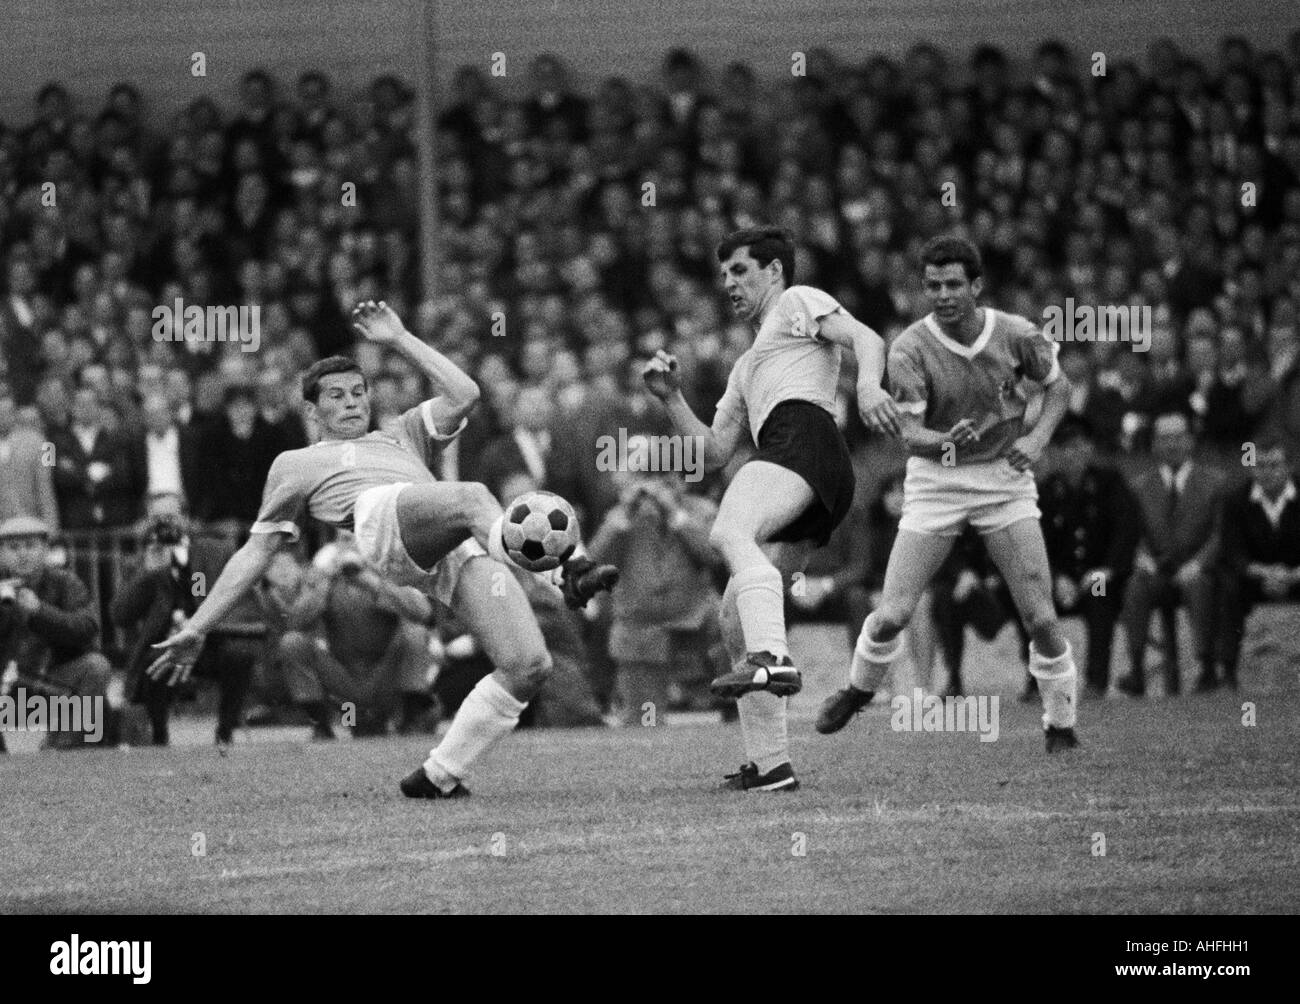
{"x":948,"y":249}
{"x":765,"y":244}
{"x":324,"y":367}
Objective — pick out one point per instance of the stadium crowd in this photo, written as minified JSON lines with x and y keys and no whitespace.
{"x":576,"y":237}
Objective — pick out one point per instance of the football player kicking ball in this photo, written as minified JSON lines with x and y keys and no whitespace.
{"x":793,"y":492}
{"x":442,"y":537}
{"x":956,"y":375}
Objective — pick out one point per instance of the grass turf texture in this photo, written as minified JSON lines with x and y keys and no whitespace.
{"x":1198,"y":813}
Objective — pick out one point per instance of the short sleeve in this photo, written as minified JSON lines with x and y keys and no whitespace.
{"x":804,"y":307}
{"x":1036,"y":352}
{"x":907,"y":383}
{"x":282,"y":501}
{"x":417,"y":427}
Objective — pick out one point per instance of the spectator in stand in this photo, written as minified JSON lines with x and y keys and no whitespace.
{"x":1227,"y":422}
{"x":49,"y":630}
{"x":99,"y":476}
{"x":171,"y":463}
{"x":236,"y":453}
{"x":1282,"y":419}
{"x":20,"y":327}
{"x":26,"y":487}
{"x":1091,"y":525}
{"x":275,"y":404}
{"x":526,"y":448}
{"x":1179,"y":502}
{"x":1259,"y":552}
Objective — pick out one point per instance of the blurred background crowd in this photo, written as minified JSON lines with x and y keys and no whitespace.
{"x":577,"y":226}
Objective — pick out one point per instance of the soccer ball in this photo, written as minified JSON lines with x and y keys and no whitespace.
{"x":539,"y":531}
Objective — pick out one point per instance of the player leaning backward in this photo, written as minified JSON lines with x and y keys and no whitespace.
{"x":958,"y":375}
{"x":793,"y":492}
{"x":443,"y":537}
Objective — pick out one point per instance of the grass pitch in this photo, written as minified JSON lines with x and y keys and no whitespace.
{"x":1193,"y":810}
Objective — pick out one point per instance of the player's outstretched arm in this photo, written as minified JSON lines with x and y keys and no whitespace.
{"x":455,"y":392}
{"x":664,"y":381}
{"x":878,"y":410}
{"x":244,"y":569}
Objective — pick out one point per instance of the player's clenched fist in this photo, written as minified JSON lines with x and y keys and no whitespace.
{"x":963,"y":432}
{"x":662,"y":377}
{"x":377,"y":321}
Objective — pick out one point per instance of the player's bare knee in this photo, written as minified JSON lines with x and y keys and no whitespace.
{"x":531,"y":670}
{"x":727,"y":539}
{"x":475,"y":504}
{"x":890,"y":618}
{"x":1040,"y":623}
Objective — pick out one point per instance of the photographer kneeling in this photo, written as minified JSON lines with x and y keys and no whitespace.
{"x":48,"y":631}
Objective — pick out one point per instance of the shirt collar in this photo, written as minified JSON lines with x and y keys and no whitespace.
{"x":952,"y":345}
{"x":1288,"y":495}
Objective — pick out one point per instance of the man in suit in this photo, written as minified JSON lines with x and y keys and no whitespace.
{"x":26,"y":487}
{"x":236,"y":452}
{"x":1259,"y":553}
{"x":526,"y":447}
{"x":1090,"y":525}
{"x":1179,"y":502}
{"x":169,"y":455}
{"x":99,"y":477}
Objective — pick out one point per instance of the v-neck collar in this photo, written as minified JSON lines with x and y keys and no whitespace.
{"x":952,"y":345}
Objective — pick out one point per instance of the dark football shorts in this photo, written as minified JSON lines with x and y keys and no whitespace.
{"x":804,"y":438}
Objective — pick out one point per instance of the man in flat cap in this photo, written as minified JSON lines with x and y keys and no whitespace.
{"x":49,"y":633}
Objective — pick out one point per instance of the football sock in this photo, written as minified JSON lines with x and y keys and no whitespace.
{"x":761,"y":606}
{"x":487,"y":714}
{"x":1057,"y":681}
{"x":763,"y":727}
{"x":872,"y":659}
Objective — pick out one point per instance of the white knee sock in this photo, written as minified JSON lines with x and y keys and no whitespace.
{"x":1057,"y":681}
{"x":872,"y":659}
{"x":763,"y":726}
{"x":488,"y":713}
{"x":761,"y":606}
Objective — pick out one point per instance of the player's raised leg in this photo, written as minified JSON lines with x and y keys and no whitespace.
{"x":762,"y":499}
{"x":913,"y":562}
{"x":1021,"y":556}
{"x":434,"y":519}
{"x":492,"y":605}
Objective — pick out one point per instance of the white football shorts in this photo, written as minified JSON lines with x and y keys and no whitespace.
{"x":989,"y":496}
{"x":380,"y":541}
